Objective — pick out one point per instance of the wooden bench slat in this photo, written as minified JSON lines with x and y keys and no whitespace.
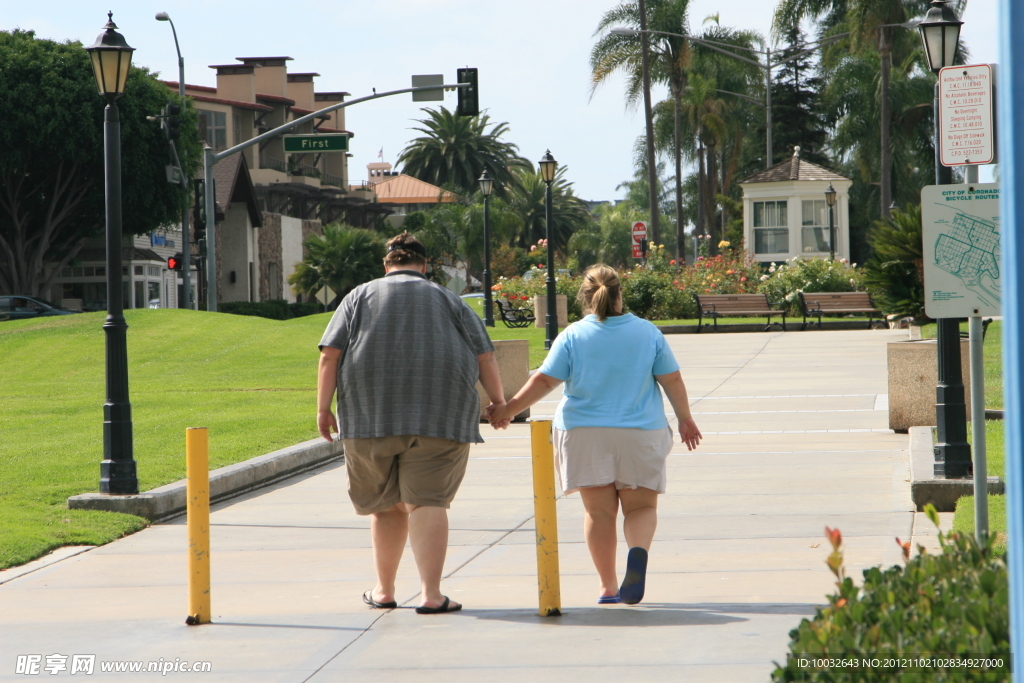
{"x":718,"y":305}
{"x":819,"y":303}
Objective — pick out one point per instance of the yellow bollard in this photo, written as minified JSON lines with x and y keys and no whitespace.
{"x":548,"y":588}
{"x":197,"y":470}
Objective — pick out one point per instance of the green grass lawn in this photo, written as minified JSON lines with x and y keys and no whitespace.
{"x":993,"y":353}
{"x":251,"y":381}
{"x":995,"y":456}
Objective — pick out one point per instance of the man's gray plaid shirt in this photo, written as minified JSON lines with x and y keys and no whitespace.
{"x":409,"y":363}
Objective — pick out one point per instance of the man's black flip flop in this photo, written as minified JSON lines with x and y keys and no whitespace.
{"x":445,"y":607}
{"x":368,"y":599}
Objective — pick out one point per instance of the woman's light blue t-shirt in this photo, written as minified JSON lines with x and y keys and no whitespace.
{"x":608,"y":369}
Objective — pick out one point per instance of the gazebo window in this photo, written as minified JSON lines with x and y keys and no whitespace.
{"x":771,"y":231}
{"x":815,"y":233}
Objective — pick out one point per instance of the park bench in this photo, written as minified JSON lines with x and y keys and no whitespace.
{"x":717,"y":306}
{"x":818,"y":303}
{"x":514,"y":317}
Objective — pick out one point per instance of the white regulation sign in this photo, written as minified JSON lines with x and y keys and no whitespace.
{"x":967,"y":133}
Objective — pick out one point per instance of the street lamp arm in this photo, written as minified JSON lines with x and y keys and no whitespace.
{"x":710,"y":44}
{"x":309,"y":117}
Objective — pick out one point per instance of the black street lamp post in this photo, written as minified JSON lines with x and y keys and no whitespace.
{"x":486,"y":187}
{"x":111,"y":56}
{"x":940,"y":32}
{"x":830,"y":199}
{"x":548,"y":168}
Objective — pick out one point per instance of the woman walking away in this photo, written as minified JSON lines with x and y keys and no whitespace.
{"x":610,"y":432}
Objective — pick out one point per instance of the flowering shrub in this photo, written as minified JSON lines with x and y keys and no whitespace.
{"x":783,"y":282}
{"x":520,"y":292}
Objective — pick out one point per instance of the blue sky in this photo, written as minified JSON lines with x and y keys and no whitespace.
{"x":532,"y":56}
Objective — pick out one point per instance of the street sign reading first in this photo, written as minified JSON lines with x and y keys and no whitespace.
{"x":966,"y":115}
{"x":330,"y":142}
{"x":639,"y":234}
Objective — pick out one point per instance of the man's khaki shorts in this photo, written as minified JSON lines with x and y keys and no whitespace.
{"x":418,"y":470}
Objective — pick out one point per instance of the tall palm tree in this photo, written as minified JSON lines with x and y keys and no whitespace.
{"x":705,"y":110}
{"x":342,"y":258}
{"x":871,"y":24}
{"x":568,"y":212}
{"x":455,"y":150}
{"x":670,"y":59}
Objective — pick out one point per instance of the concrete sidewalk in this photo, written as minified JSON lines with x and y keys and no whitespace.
{"x":795,"y":439}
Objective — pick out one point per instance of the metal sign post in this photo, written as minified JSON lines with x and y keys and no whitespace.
{"x":962,"y":279}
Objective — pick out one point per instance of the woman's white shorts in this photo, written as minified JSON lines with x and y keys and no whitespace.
{"x":598,"y":456}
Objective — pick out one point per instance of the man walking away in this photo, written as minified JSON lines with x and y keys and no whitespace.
{"x":404,"y":355}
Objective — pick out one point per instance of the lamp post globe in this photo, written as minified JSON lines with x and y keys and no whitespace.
{"x":486,"y":188}
{"x":830,"y":199}
{"x":111,"y":57}
{"x":548,"y":171}
{"x":940,"y":33}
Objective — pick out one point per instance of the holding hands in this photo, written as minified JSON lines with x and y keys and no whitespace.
{"x":498,"y":415}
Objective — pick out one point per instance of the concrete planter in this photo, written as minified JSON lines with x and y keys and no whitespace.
{"x":913,"y":374}
{"x":513,"y":357}
{"x":540,"y":309}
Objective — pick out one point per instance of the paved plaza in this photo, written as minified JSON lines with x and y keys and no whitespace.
{"x":795,"y":439}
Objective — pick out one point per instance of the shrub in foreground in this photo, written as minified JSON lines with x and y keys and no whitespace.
{"x":949,"y":605}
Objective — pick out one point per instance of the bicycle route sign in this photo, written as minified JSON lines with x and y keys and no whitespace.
{"x":961,"y":250}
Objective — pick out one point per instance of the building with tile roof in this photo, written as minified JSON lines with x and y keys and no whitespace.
{"x":785,"y":213}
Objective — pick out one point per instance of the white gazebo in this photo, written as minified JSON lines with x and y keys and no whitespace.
{"x":785,"y":212}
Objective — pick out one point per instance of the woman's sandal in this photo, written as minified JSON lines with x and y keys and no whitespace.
{"x":632,"y":590}
{"x":368,"y":599}
{"x":445,"y":607}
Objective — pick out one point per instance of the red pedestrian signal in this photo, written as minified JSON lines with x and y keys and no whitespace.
{"x":174,"y":262}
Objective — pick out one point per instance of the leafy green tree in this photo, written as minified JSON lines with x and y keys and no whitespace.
{"x":797,"y":112}
{"x":873,"y":26}
{"x":669,"y":61}
{"x":895,"y":272}
{"x":51,"y":158}
{"x":455,"y":150}
{"x":342,"y":258}
{"x":568,"y":212}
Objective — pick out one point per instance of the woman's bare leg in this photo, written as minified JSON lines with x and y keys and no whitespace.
{"x":602,"y":508}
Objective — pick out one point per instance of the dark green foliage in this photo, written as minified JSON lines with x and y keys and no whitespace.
{"x":952,"y":603}
{"x":342,"y":259}
{"x":51,"y":157}
{"x":797,"y":117}
{"x":455,"y":151}
{"x":894,"y":273}
{"x":274,"y":309}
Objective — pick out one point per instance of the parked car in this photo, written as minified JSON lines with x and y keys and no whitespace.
{"x":18,"y":307}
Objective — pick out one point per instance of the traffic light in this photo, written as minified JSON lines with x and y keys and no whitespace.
{"x":469,"y":98}
{"x":199,"y":208}
{"x":172,"y":121}
{"x":175,"y":262}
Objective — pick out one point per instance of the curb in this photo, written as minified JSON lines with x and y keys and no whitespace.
{"x":168,"y":501}
{"x":791,"y":326}
{"x":925,"y":488}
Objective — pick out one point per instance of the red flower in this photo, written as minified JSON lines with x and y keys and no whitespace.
{"x":672,"y":262}
{"x":525,"y":298}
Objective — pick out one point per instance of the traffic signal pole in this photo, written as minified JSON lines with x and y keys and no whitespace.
{"x":210,"y":158}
